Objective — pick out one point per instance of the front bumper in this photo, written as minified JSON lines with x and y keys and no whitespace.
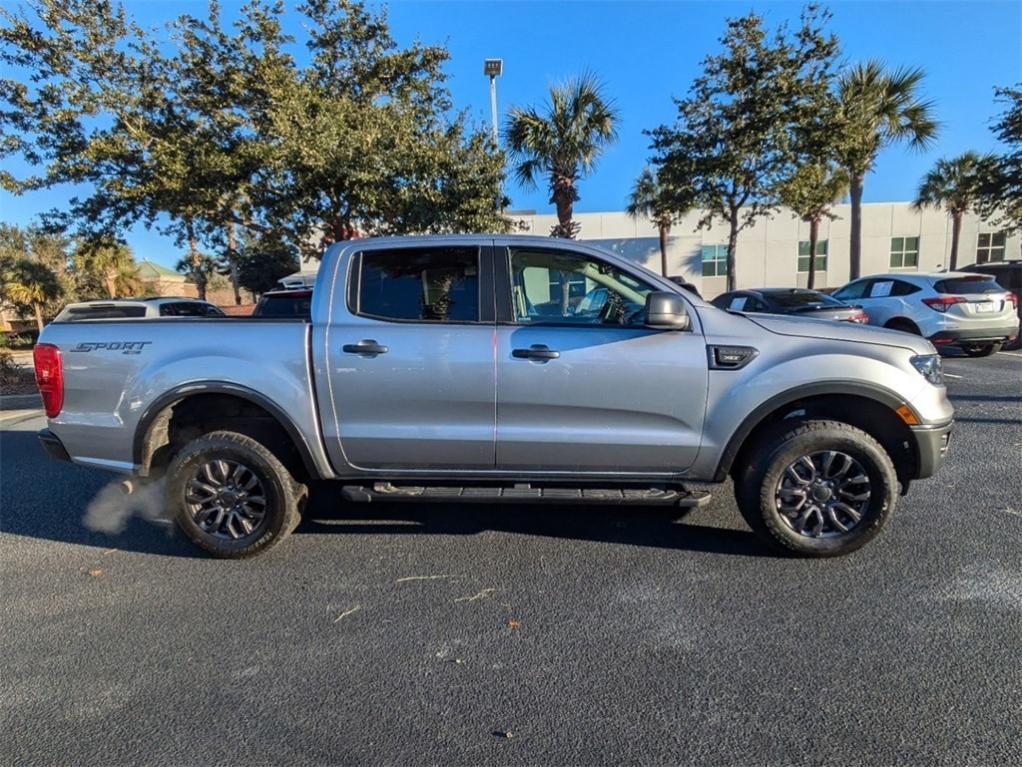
{"x":53,"y":446}
{"x":932,"y":444}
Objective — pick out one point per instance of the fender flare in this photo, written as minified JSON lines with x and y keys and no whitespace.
{"x":871,"y":391}
{"x":173,"y":396}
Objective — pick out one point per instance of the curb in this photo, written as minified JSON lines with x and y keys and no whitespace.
{"x":20,"y":402}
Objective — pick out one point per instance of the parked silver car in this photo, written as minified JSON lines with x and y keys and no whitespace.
{"x":971,"y":311}
{"x":501,"y":369}
{"x":138,"y":309}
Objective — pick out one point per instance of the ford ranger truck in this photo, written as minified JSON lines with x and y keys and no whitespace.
{"x":500,"y":369}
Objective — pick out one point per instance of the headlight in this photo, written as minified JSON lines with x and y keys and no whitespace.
{"x":930,"y":368}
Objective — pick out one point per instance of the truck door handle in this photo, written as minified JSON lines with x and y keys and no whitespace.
{"x":367,"y":347}
{"x":536,"y":352}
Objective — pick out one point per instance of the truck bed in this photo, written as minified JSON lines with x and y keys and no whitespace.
{"x":117,"y":371}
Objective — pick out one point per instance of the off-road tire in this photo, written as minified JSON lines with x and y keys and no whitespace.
{"x":283,"y":494}
{"x":756,"y":484}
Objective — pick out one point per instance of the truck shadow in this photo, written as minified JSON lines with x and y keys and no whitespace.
{"x":56,"y":513}
{"x":628,"y":525}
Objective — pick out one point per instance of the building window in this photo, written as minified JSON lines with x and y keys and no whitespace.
{"x":714,"y":260}
{"x":821,"y":256}
{"x":574,"y":281}
{"x":904,"y":252}
{"x":990,"y":247}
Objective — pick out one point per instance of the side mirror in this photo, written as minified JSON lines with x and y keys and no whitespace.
{"x":666,"y":311}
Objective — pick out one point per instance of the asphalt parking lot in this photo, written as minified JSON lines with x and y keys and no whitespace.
{"x":473,"y":635}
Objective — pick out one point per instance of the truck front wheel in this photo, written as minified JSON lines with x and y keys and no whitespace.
{"x":816,"y":488}
{"x":231,"y":495}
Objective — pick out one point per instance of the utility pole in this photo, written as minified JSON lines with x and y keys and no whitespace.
{"x":493,"y":68}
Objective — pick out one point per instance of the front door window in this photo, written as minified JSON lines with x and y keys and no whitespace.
{"x":563,"y":288}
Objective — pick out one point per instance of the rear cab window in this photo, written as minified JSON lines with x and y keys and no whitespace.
{"x":438,"y":284}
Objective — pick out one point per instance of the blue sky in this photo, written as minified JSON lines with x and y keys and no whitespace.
{"x":648,"y":52}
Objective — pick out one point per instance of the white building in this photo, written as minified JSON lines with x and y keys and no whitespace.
{"x":775,"y":251}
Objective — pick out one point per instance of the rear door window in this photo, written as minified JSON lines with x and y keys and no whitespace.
{"x":885,"y":288}
{"x":968,"y":285}
{"x":420,"y":284}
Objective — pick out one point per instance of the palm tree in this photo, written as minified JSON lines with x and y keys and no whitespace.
{"x":955,"y":185}
{"x":877,"y":109}
{"x":30,"y":285}
{"x":562,"y":142}
{"x":651,"y":198}
{"x":110,"y":264}
{"x":810,"y":191}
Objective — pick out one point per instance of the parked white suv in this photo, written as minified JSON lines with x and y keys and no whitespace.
{"x":961,"y":309}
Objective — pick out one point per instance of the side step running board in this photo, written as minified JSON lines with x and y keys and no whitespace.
{"x":524,"y":493}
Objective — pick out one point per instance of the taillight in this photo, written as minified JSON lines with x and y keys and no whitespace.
{"x":861,"y":317}
{"x":49,"y":377}
{"x":1013,"y":297}
{"x":941,"y":303}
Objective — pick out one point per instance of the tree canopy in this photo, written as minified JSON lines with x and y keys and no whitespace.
{"x":338,"y":134}
{"x":1001,"y":194}
{"x":734,"y":138}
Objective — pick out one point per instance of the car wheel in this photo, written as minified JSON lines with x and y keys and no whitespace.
{"x":816,"y":488}
{"x":231,"y":495}
{"x":981,"y":350}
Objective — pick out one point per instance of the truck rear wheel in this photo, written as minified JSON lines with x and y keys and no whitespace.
{"x":816,"y":488}
{"x":231,"y":495}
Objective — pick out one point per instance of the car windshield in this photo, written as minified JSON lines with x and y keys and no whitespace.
{"x":971,"y":284}
{"x":802,"y":300}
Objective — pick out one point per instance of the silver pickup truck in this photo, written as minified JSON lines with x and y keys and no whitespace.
{"x":500,"y":369}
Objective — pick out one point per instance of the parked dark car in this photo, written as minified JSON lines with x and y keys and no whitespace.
{"x":282,"y":304}
{"x":1007,"y":273}
{"x":800,"y":301}
{"x":685,"y":284}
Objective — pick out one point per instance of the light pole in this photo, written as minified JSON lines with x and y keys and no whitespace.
{"x":493,"y":68}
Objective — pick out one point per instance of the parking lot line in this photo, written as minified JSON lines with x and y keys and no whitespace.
{"x":952,"y":375}
{"x":1012,"y":354}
